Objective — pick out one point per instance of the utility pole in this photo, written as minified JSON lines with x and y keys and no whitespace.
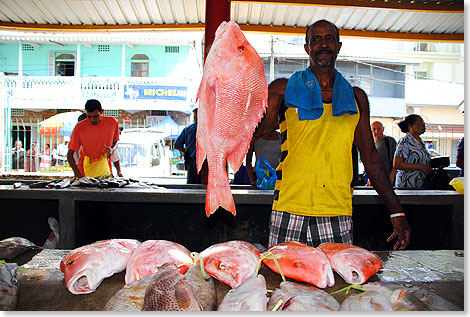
{"x":271,"y":63}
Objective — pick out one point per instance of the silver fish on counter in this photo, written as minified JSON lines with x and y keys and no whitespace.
{"x":169,"y":291}
{"x":204,"y":287}
{"x":282,"y":300}
{"x":367,"y":301}
{"x":130,"y":297}
{"x":402,"y":299}
{"x":434,"y":301}
{"x":14,"y":246}
{"x":9,"y":287}
{"x":313,"y":298}
{"x":249,"y":296}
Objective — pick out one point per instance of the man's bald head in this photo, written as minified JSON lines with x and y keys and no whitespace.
{"x":377,"y":130}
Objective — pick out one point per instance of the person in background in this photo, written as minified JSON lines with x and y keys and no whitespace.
{"x":54,"y":155}
{"x":269,"y":145}
{"x":412,"y":159}
{"x":115,"y":158}
{"x":460,"y":159}
{"x":18,"y":155}
{"x":30,"y":161}
{"x":97,"y":136}
{"x":321,"y":118}
{"x":186,"y":143}
{"x":386,"y":146}
{"x":62,"y":152}
{"x":45,"y":158}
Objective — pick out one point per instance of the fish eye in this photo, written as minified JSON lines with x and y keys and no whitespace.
{"x":241,"y":48}
{"x":70,"y":262}
{"x":298,"y":264}
{"x":368,"y":262}
{"x":222,"y":266}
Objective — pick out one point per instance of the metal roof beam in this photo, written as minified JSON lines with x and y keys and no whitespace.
{"x":439,"y":6}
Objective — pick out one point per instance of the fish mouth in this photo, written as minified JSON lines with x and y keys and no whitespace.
{"x":79,"y":285}
{"x":355,"y":276}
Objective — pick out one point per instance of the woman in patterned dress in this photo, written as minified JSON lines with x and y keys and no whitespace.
{"x":412,"y":159}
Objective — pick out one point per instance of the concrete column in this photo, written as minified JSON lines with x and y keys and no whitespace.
{"x":217,"y":11}
{"x":20,"y":58}
{"x":123,"y":61}
{"x":77,"y":65}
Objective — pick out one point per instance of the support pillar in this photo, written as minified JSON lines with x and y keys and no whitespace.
{"x":217,"y":11}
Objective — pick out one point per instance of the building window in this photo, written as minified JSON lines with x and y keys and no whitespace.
{"x":17,"y":112}
{"x":103,"y":48}
{"x":172,"y":49}
{"x":64,"y":64}
{"x":111,"y":113}
{"x":421,"y":47}
{"x":28,"y":47}
{"x":158,"y":112}
{"x":421,"y":75}
{"x":140,"y":66}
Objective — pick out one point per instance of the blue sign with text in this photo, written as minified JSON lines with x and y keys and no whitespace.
{"x":155,"y":92}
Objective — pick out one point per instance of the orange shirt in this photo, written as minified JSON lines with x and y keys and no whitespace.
{"x":93,"y":138}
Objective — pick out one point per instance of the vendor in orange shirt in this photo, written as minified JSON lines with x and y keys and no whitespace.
{"x":97,"y":136}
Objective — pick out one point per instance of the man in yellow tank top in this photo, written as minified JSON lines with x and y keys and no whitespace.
{"x":321,"y":116}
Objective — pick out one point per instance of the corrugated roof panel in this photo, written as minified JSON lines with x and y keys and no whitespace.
{"x":68,"y":13}
{"x":33,"y":11}
{"x":141,"y":11}
{"x":166,"y":11}
{"x":242,"y":12}
{"x":423,"y":26}
{"x":453,"y":24}
{"x":269,"y":14}
{"x":82,"y":12}
{"x":47,"y":11}
{"x":376,"y":24}
{"x":105,"y":14}
{"x":255,"y":13}
{"x":401,"y":20}
{"x":154,"y":12}
{"x":180,"y":11}
{"x":91,"y":13}
{"x":366,"y":19}
{"x":306,"y":16}
{"x":347,"y":18}
{"x":127,"y":9}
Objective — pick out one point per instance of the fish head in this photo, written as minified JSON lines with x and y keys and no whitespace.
{"x":231,"y":53}
{"x":356,"y":265}
{"x":81,"y":271}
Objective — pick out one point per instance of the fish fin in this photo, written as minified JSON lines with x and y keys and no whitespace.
{"x":200,"y":155}
{"x":218,"y":192}
{"x":236,"y":157}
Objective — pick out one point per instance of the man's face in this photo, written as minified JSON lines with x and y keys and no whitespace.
{"x":377,"y":131}
{"x":323,"y":46}
{"x":95,"y":116}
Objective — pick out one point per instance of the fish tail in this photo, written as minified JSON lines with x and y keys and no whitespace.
{"x":219,"y":193}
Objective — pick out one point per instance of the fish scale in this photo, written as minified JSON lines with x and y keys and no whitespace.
{"x":232,"y":99}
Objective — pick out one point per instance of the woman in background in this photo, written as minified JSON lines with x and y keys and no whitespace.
{"x":45,"y":161}
{"x":30,"y":160}
{"x":412,"y":159}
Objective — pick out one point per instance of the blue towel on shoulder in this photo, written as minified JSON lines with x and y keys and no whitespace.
{"x":303,"y":92}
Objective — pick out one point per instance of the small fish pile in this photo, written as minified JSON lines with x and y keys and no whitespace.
{"x":86,"y":267}
{"x":9,"y":286}
{"x":169,"y":291}
{"x":14,"y":246}
{"x":233,"y":95}
{"x":231,"y":262}
{"x":146,"y":259}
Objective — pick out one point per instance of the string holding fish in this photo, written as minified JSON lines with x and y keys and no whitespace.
{"x":278,"y":304}
{"x":271,"y":256}
{"x":347,"y":288}
{"x":196,"y":259}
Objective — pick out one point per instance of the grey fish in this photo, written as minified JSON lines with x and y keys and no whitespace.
{"x":249,"y":296}
{"x":434,"y":301}
{"x":204,"y":288}
{"x":402,"y":299}
{"x":14,"y":246}
{"x":9,"y":286}
{"x":130,"y":297}
{"x":367,"y":301}
{"x":169,"y":291}
{"x":286,"y":301}
{"x":313,"y":298}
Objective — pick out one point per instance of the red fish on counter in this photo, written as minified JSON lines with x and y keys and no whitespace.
{"x":86,"y":267}
{"x":300,"y":262}
{"x":354,"y":264}
{"x":232,"y":99}
{"x":231,"y":262}
{"x":153,"y":253}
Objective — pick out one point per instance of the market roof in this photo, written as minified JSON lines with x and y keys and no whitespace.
{"x":417,"y":20}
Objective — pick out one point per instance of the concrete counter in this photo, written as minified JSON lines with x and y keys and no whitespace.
{"x":176,"y":213}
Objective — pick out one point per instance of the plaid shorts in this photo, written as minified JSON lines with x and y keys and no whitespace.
{"x":309,"y":230}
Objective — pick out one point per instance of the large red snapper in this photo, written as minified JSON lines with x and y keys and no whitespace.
{"x":354,"y":264}
{"x":86,"y":267}
{"x":232,"y":99}
{"x":231,"y":262}
{"x":153,"y":253}
{"x":300,"y":262}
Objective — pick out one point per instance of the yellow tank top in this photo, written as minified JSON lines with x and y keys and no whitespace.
{"x":316,"y":170}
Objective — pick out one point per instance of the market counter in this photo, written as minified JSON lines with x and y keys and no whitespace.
{"x":42,"y":287}
{"x":176,"y":213}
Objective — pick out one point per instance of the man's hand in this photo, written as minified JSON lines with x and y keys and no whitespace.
{"x":402,"y":230}
{"x":119,"y":174}
{"x":109,"y":151}
{"x":78,"y":175}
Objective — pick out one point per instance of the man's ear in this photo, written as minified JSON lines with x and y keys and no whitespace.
{"x":306,"y":48}
{"x":339,"y":46}
{"x":102,"y":111}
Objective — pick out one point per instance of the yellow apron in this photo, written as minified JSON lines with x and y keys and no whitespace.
{"x":96,"y":167}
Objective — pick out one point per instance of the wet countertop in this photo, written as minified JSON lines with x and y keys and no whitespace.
{"x":42,"y":287}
